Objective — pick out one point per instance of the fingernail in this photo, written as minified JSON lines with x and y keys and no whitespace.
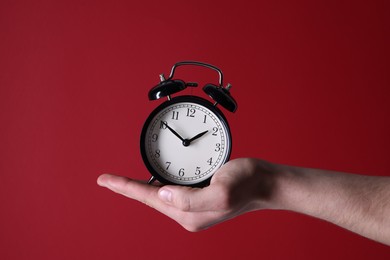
{"x":100,"y":182}
{"x":104,"y":180}
{"x":165,"y":195}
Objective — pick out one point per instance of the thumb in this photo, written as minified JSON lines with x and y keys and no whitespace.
{"x":186,"y":198}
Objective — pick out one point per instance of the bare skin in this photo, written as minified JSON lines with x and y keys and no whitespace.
{"x":356,"y":202}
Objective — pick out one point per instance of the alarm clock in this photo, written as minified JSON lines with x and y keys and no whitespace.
{"x":187,"y":138}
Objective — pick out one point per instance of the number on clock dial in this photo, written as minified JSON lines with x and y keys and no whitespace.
{"x":184,"y":163}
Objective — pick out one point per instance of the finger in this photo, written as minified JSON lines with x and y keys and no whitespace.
{"x":187,"y":199}
{"x":133,"y":189}
{"x":145,"y":193}
{"x":154,"y":197}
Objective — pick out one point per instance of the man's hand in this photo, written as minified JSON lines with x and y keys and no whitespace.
{"x":355,"y":202}
{"x":238,"y":187}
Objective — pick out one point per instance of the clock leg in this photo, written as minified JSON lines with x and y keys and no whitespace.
{"x":151,"y":180}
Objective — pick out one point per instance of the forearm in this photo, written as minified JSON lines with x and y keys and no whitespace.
{"x":355,"y":202}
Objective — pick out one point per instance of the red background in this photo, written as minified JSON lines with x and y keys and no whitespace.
{"x":311,"y":79}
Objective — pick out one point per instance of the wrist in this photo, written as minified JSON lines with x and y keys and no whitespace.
{"x":289,"y":188}
{"x":270,"y":185}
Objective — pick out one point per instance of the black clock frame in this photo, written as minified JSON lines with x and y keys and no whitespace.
{"x":175,"y":100}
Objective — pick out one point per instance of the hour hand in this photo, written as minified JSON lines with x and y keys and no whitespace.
{"x":197,"y":136}
{"x":173,"y":131}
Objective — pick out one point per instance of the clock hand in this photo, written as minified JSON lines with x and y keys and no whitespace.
{"x":173,"y":131}
{"x":197,"y":136}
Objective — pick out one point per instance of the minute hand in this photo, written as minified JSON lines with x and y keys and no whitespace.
{"x":197,"y":136}
{"x":173,"y":131}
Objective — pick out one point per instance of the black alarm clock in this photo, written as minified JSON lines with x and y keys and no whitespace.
{"x":186,"y":139}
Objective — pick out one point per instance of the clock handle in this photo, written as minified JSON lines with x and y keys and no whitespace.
{"x":197,"y":63}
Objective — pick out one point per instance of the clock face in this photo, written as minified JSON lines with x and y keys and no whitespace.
{"x":185,"y":140}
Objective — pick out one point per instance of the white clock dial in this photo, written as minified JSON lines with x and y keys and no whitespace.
{"x":186,"y":142}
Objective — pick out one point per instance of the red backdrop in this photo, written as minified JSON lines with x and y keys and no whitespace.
{"x":311,"y":79}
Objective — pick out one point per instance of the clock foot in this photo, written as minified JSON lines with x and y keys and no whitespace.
{"x":151,"y":180}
